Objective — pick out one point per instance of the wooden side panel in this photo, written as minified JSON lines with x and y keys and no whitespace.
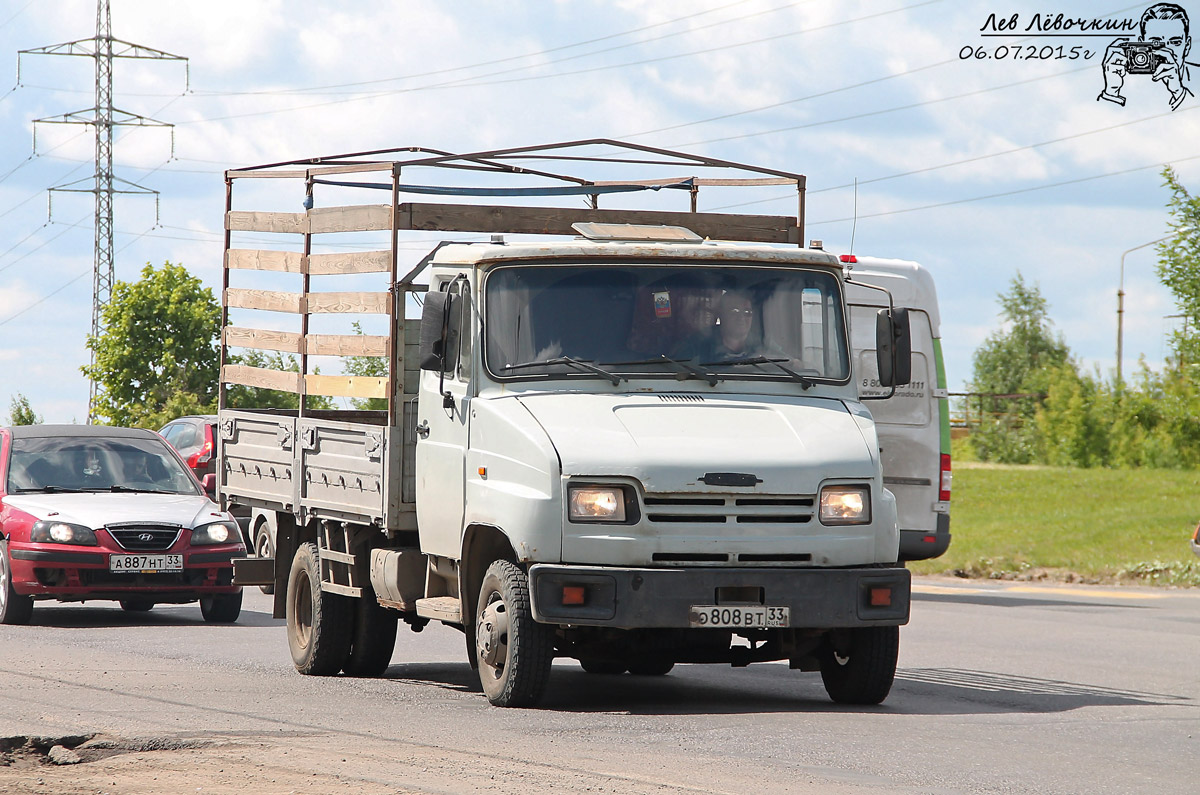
{"x":558,"y":220}
{"x":346,"y":345}
{"x":353,"y":218}
{"x":270,"y":300}
{"x":354,"y":262}
{"x":368,"y":303}
{"x":260,"y":377}
{"x":258,"y":260}
{"x":241,"y":221}
{"x":346,"y":386}
{"x":263,"y":340}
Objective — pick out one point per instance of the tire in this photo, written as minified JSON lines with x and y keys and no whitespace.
{"x":221,"y":608}
{"x":651,"y":668}
{"x":136,"y":605}
{"x":604,"y":667}
{"x":865,"y":675}
{"x":15,"y":608}
{"x":264,"y":547}
{"x":514,"y":651}
{"x":374,"y":637}
{"x":318,"y":623}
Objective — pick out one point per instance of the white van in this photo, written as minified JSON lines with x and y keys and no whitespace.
{"x":914,"y":426}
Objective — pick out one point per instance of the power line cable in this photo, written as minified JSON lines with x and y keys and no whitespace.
{"x":882,"y":111}
{"x":964,"y":161}
{"x":476,"y":82}
{"x":1014,"y":192}
{"x":774,"y":105}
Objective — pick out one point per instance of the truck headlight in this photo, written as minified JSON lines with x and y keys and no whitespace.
{"x":596,"y":504}
{"x":49,"y":532}
{"x":845,"y":505}
{"x":217,"y":533}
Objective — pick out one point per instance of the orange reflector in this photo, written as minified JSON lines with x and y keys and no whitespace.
{"x":881,"y":597}
{"x":572,"y":594}
{"x":483,"y":472}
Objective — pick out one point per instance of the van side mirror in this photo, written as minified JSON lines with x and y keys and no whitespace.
{"x":434,"y":318}
{"x":893,"y":346}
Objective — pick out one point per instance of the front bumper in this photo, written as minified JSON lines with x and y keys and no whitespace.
{"x":626,"y":598}
{"x":72,"y":575}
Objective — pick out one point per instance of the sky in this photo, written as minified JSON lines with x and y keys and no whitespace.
{"x":979,"y":156}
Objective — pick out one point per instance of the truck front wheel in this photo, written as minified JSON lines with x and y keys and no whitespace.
{"x":318,"y":623}
{"x":514,"y":651}
{"x":859,"y":666}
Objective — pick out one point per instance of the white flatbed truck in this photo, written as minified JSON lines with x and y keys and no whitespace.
{"x":637,"y":445}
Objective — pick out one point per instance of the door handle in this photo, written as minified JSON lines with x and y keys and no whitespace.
{"x":423,"y":429}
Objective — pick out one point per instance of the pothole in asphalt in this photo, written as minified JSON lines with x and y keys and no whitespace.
{"x":33,"y":751}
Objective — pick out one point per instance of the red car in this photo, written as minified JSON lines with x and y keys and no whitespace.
{"x":96,"y":513}
{"x":195,"y":438}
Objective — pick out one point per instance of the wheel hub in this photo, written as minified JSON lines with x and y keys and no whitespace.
{"x":491,"y":634}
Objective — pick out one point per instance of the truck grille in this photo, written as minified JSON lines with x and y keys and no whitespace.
{"x":145,"y":538}
{"x":707,"y":509}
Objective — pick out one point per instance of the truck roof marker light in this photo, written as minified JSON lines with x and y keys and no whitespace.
{"x":636,"y":232}
{"x":848,"y":258}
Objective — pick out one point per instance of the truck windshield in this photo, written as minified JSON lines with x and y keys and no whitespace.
{"x":711,"y":323}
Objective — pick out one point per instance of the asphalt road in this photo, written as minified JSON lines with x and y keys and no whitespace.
{"x":1001,"y":688}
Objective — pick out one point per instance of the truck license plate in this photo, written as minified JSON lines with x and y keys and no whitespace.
{"x":726,"y":616}
{"x":146,"y":564}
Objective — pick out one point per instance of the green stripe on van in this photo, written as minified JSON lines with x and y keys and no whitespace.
{"x":943,"y":405}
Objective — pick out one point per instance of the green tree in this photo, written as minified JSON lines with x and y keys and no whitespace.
{"x":22,"y":413}
{"x":1179,"y":265}
{"x":158,"y":346}
{"x":1021,"y":359}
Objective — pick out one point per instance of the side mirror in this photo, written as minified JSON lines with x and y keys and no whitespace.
{"x":893,"y":347}
{"x":433,"y":330}
{"x":210,"y":485}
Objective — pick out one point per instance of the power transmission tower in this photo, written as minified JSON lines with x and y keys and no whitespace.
{"x":103,"y":48}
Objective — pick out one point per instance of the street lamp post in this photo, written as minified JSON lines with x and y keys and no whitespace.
{"x":1121,"y":303}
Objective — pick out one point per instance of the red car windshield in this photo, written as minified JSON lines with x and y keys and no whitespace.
{"x":65,"y":463}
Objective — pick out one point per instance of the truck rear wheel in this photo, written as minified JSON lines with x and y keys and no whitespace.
{"x":651,"y":668}
{"x":318,"y":623}
{"x":374,"y":638}
{"x":861,"y":673}
{"x":514,"y":651}
{"x":592,"y":665}
{"x":264,"y":547}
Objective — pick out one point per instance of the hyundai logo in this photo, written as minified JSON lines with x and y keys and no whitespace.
{"x":146,"y":537}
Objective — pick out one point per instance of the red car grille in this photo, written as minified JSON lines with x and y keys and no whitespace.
{"x":145,"y":538}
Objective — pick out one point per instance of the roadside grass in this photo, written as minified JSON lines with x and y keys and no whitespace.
{"x":1074,"y":525}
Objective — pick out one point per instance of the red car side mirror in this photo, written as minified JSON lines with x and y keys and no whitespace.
{"x":210,"y":485}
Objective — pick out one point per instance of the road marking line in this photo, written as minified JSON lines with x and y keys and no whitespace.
{"x":1066,"y":590}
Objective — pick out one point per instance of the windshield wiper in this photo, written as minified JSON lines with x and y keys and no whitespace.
{"x":805,"y":381}
{"x":118,"y":487}
{"x":686,"y":370}
{"x":50,"y":490}
{"x":578,"y":364}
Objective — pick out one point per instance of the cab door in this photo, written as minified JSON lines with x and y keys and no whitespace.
{"x":442,"y":428}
